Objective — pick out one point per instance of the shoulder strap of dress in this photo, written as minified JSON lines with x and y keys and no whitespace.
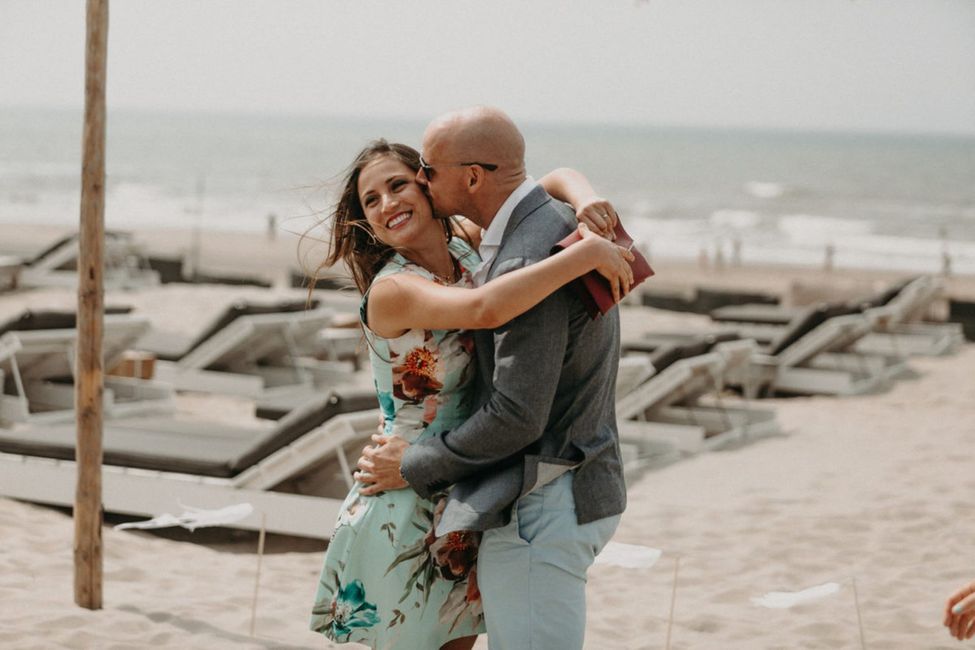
{"x":461,"y":249}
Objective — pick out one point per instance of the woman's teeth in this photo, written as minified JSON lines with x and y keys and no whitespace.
{"x":402,"y":217}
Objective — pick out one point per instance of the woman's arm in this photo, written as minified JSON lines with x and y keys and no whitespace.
{"x":572,"y":187}
{"x":405,"y":301}
{"x":469,"y":229}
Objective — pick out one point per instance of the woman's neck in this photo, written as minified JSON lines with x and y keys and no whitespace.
{"x":435,"y":258}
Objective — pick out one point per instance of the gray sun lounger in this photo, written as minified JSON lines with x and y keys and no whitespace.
{"x":813,"y":353}
{"x":254,"y":351}
{"x":57,"y":265}
{"x":155,"y":465}
{"x":669,"y":406}
{"x":37,"y":355}
{"x":895,"y":314}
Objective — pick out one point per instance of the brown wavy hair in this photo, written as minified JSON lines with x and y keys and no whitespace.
{"x":353,"y":241}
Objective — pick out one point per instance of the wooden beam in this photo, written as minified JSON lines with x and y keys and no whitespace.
{"x":89,"y":371}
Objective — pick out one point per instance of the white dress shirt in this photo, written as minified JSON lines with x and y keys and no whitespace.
{"x":491,"y":237}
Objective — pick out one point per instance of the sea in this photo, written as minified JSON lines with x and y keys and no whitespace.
{"x":857,"y":200}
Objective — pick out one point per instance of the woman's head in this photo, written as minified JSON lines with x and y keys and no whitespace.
{"x":380,"y":207}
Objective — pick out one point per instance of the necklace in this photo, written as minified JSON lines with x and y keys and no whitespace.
{"x":451,"y":277}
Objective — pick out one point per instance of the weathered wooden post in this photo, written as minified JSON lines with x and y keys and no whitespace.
{"x":88,"y":366}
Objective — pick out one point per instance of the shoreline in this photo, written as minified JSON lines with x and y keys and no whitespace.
{"x":256,"y":255}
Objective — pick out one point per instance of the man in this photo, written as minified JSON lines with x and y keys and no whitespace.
{"x":537,"y":465}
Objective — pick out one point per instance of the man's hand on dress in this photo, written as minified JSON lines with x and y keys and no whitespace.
{"x":379,"y":465}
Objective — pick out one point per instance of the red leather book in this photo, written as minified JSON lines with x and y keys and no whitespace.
{"x":593,"y":289}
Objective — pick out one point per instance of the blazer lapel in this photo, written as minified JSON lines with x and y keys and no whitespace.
{"x":535,"y":199}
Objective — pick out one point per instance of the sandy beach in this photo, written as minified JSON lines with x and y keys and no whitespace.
{"x":871,"y":492}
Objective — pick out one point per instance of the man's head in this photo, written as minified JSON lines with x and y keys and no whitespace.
{"x":473,"y":158}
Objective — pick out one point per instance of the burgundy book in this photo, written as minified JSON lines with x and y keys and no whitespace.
{"x":592,"y":288}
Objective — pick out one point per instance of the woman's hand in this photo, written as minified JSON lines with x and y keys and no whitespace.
{"x":600,"y":215}
{"x":612,"y":261}
{"x":960,"y":612}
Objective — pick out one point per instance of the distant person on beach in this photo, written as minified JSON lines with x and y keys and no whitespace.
{"x":388,"y":579}
{"x":960,"y":612}
{"x":536,"y":466}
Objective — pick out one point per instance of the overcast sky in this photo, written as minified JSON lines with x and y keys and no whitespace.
{"x":890,"y":65}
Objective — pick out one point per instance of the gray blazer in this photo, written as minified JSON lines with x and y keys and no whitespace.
{"x":545,"y":399}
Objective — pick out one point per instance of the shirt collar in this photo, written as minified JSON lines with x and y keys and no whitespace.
{"x":491,"y":236}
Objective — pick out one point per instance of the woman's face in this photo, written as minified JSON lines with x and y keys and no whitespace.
{"x":393,"y":202}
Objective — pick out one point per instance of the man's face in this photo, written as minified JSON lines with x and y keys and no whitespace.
{"x":443,"y":179}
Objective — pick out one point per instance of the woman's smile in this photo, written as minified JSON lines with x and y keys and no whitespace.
{"x":399,"y":219}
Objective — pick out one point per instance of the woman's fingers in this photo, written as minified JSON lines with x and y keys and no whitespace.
{"x":598,"y":218}
{"x":586,"y":218}
{"x":966,"y":604}
{"x":959,"y":626}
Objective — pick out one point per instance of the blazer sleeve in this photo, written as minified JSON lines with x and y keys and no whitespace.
{"x":528,"y":353}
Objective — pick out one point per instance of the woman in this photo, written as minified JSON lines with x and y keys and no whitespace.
{"x":387,"y":581}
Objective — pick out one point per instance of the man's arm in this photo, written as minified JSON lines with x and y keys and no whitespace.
{"x":529,"y":352}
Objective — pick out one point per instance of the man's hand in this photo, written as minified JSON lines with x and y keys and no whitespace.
{"x":379,"y":465}
{"x":960,"y":612}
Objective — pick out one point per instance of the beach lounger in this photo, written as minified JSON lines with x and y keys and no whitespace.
{"x":9,"y":272}
{"x":669,"y":404}
{"x":899,"y":328}
{"x":811,"y":356}
{"x":156,"y":465}
{"x":894,"y":312}
{"x":57,"y":265}
{"x":255,"y":352}
{"x":37,"y":356}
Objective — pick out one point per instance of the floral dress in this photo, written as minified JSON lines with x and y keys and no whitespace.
{"x":387,"y":580}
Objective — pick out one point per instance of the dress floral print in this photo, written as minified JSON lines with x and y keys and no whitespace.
{"x":388,"y":581}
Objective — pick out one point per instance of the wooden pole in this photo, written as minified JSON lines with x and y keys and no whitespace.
{"x":88,"y":367}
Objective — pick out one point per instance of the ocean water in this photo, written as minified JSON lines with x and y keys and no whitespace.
{"x":878,"y":201}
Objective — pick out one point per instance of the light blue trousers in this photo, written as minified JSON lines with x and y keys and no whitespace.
{"x":532,"y":572}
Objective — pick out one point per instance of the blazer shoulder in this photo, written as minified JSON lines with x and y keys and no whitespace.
{"x":538,"y":230}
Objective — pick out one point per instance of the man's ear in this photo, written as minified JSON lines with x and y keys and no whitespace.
{"x":475,"y":178}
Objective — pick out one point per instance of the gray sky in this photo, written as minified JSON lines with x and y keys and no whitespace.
{"x":891,"y":65}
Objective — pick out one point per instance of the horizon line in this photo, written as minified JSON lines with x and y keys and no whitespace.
{"x":555,"y":122}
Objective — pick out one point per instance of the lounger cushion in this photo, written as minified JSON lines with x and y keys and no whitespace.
{"x":49,"y":319}
{"x":185,"y":445}
{"x":173,"y":347}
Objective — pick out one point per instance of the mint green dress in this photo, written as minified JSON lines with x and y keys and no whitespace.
{"x":387,"y":581}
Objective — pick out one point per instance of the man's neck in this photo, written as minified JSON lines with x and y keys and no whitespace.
{"x":492,"y":204}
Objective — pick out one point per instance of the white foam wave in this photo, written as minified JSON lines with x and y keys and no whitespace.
{"x":815,"y":230}
{"x":738,"y":219}
{"x":764,"y":189}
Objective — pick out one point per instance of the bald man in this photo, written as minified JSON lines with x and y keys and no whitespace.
{"x":537,"y":466}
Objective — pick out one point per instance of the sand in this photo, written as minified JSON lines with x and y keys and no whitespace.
{"x":874,"y":488}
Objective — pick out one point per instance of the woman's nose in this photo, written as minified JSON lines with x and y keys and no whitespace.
{"x":390,"y":201}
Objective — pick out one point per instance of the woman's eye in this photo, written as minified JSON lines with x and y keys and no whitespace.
{"x":370,"y":200}
{"x":398,"y":184}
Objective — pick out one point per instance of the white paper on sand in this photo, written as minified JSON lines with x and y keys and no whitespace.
{"x":194,"y":518}
{"x":786,"y":599}
{"x":630,"y":556}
